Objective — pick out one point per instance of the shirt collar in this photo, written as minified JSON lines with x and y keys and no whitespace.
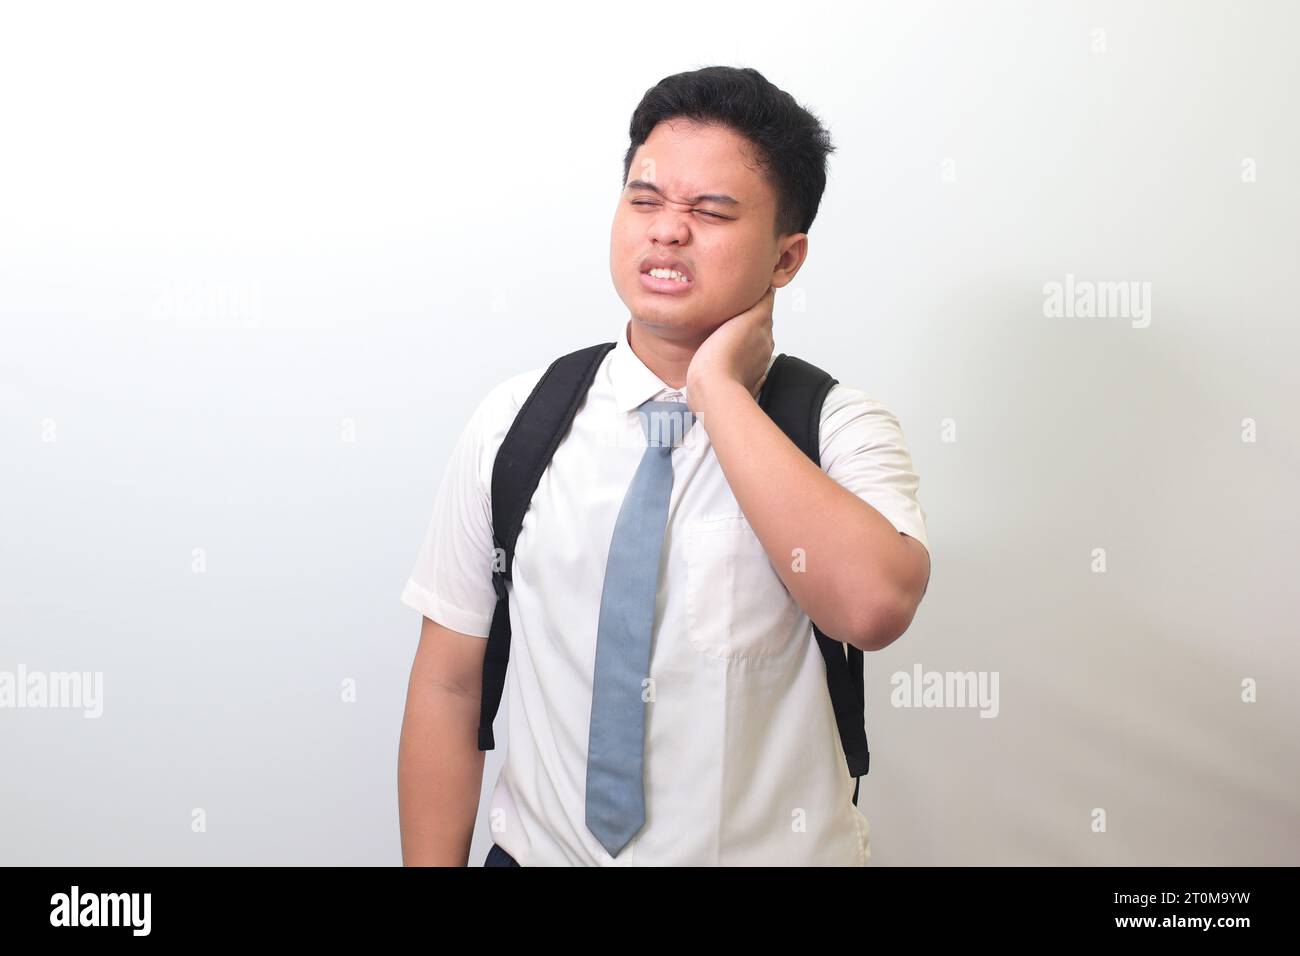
{"x":634,"y":383}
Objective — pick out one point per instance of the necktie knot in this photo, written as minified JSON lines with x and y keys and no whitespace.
{"x":665,"y":424}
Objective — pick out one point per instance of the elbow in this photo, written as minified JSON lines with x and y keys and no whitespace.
{"x":889,"y":614}
{"x":881,"y":624}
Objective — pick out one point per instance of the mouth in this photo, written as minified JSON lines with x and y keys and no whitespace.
{"x":668,"y":278}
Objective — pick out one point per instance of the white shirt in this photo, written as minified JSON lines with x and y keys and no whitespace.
{"x":742,"y":763}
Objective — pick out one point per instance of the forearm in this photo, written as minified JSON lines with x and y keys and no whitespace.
{"x":848,"y":551}
{"x":439,"y":773}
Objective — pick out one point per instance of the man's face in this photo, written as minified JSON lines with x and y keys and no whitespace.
{"x":727,"y":249}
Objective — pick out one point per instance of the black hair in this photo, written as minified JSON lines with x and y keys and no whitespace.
{"x":790,"y":143}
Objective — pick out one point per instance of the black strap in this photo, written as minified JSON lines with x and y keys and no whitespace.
{"x":803,"y":388}
{"x":538,"y":428}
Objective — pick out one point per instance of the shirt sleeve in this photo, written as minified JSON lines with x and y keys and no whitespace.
{"x":863,"y":449}
{"x":451,"y":582}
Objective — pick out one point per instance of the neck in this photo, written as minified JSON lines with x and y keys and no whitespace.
{"x":667,"y":358}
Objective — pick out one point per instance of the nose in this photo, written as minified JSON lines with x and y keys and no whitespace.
{"x":669,"y":226}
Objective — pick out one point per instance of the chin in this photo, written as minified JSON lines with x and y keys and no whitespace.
{"x":654,"y":309}
{"x":670,"y":323}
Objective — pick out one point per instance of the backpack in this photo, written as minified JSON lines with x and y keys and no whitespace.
{"x":792,"y":396}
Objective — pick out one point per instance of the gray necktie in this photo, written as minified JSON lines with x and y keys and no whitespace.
{"x":615,"y":792}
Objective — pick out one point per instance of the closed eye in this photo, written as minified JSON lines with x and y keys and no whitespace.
{"x":646,"y":202}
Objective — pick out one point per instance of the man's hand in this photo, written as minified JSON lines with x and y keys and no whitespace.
{"x":738,"y":350}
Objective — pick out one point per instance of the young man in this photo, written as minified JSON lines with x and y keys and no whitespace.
{"x":666,"y":702}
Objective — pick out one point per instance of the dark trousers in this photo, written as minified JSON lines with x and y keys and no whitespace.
{"x":499,"y":857}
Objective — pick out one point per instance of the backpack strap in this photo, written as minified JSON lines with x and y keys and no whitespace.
{"x":539,"y":426}
{"x":792,"y":395}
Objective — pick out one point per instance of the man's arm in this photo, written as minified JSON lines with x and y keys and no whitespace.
{"x":862,"y":579}
{"x":439,"y":765}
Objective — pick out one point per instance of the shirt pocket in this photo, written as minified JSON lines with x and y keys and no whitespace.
{"x":737,"y":606}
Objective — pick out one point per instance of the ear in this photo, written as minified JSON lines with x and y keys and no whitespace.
{"x":794,"y":250}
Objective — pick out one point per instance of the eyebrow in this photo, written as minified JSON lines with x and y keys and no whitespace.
{"x":703,"y":197}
